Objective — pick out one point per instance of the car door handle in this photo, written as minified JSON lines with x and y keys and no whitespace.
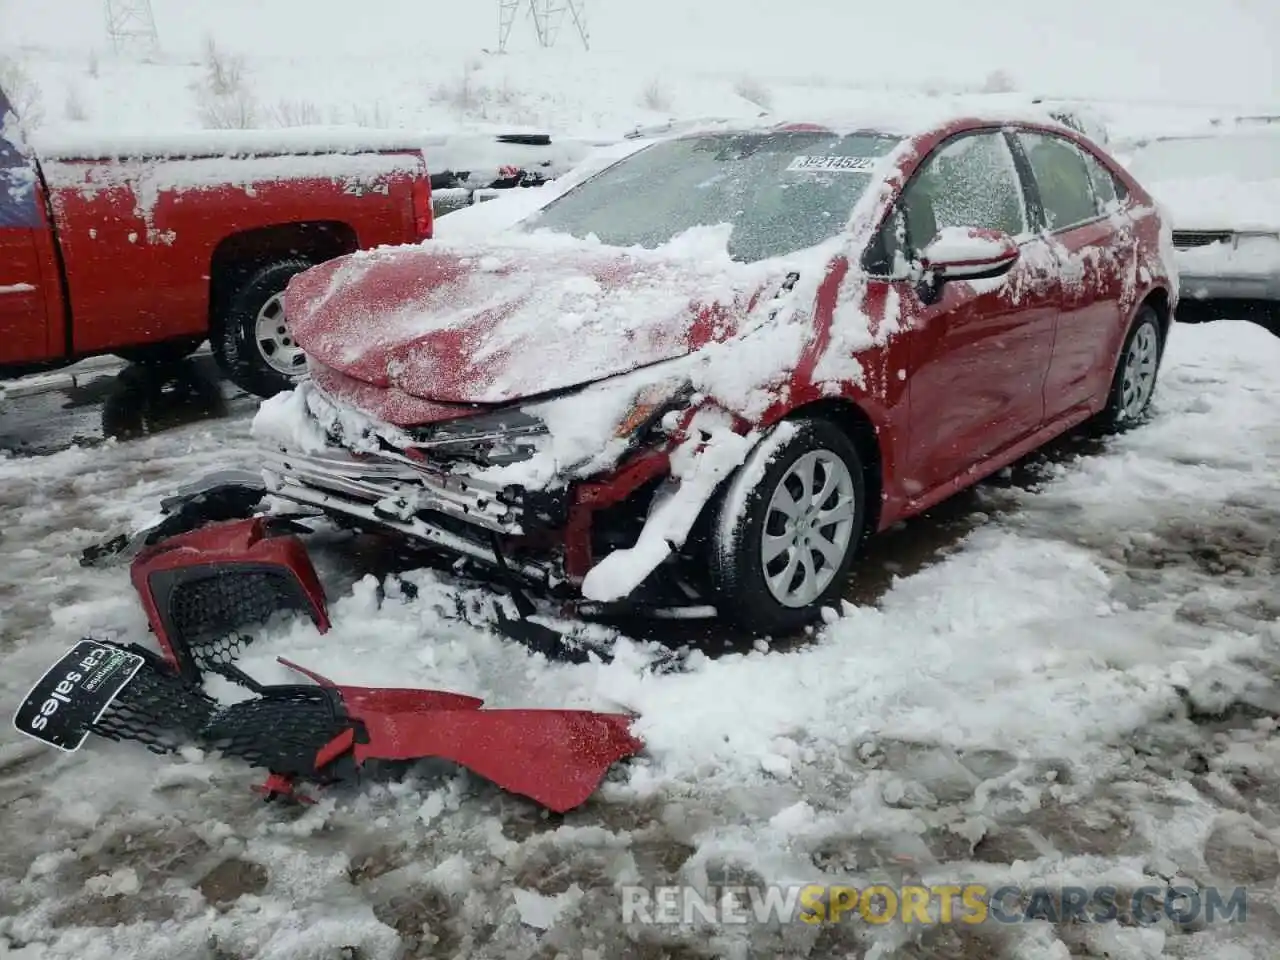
{"x":16,"y":288}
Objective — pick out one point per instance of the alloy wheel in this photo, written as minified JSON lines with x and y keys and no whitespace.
{"x":1138,"y":377}
{"x":276,"y":344}
{"x":808,"y":528}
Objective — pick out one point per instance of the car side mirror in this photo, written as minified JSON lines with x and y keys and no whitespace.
{"x":969,"y":253}
{"x":963,"y":253}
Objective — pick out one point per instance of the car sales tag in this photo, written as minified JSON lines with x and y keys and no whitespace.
{"x":842,"y":164}
{"x":74,"y":693}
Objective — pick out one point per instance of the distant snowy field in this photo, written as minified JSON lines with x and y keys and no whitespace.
{"x":420,"y":63}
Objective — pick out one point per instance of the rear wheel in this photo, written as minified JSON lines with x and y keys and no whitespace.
{"x":252,"y":340}
{"x":1134,"y":382}
{"x":788,"y":527}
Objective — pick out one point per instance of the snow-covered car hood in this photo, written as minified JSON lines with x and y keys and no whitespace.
{"x":505,"y":320}
{"x":1219,"y":203}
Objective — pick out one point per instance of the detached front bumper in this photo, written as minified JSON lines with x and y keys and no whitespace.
{"x":453,"y":512}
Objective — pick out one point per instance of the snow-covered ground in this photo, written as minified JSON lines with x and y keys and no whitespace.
{"x":1084,"y":688}
{"x":1074,"y":677}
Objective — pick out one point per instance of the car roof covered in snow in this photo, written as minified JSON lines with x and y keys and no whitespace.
{"x":889,"y":114}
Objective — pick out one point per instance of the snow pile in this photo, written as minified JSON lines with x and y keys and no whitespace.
{"x":588,"y":432}
{"x":1248,"y":256}
{"x":698,"y":467}
{"x":1226,"y":179}
{"x":965,"y":245}
{"x":1220,"y":203}
{"x":304,"y":419}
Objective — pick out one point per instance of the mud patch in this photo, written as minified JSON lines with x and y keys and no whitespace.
{"x":1240,"y":546}
{"x":1242,"y":855}
{"x":1099,"y":828}
{"x":231,"y":880}
{"x":549,"y":872}
{"x":911,"y":546}
{"x":1007,"y":845}
{"x":424,"y":919}
{"x":115,"y":911}
{"x":153,"y":851}
{"x":376,"y":863}
{"x":885,"y":858}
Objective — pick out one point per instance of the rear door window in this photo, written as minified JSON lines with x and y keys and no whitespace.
{"x":1104,"y":184}
{"x":1063,"y":180}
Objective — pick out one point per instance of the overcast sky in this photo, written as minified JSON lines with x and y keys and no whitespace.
{"x":1190,"y":49}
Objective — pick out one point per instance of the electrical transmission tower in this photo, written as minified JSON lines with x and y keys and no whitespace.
{"x":131,"y":26}
{"x":547,"y":16}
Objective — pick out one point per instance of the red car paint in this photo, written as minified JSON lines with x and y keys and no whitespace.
{"x":554,"y":757}
{"x":220,"y":550}
{"x":333,"y":315}
{"x":100,"y":253}
{"x":969,"y":384}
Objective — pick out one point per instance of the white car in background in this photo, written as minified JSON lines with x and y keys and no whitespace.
{"x":1222,"y":192}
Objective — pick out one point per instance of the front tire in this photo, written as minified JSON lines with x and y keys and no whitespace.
{"x":787,"y":529}
{"x":252,"y":341}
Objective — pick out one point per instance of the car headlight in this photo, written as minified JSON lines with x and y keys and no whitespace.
{"x":501,"y":437}
{"x":513,"y":435}
{"x":649,"y":408}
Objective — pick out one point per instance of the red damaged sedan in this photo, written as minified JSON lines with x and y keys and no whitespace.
{"x":700,"y":377}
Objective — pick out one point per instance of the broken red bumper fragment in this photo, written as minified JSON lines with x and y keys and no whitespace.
{"x":556,"y":757}
{"x":199,"y":589}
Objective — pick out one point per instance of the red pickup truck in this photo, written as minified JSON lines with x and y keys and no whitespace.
{"x":146,"y":249}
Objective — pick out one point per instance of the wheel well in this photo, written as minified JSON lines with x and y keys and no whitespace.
{"x":1158,"y":300}
{"x":238,"y":256}
{"x":854,"y":421}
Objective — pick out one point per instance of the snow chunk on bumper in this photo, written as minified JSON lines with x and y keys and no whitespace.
{"x":303,"y":418}
{"x":697,"y":469}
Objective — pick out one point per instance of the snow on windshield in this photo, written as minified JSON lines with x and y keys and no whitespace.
{"x":1251,"y":157}
{"x":781,"y":192}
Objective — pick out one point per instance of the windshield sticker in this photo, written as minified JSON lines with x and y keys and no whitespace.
{"x":845,"y":164}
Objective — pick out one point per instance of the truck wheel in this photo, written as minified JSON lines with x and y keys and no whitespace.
{"x":160,"y":354}
{"x":252,"y":342}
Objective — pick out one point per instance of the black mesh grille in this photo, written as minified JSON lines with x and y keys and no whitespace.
{"x":158,"y":709}
{"x":281,"y":731}
{"x":1186,"y":239}
{"x":207,"y":613}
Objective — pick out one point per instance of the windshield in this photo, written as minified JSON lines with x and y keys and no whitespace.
{"x":781,"y":192}
{"x":1250,"y":157}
